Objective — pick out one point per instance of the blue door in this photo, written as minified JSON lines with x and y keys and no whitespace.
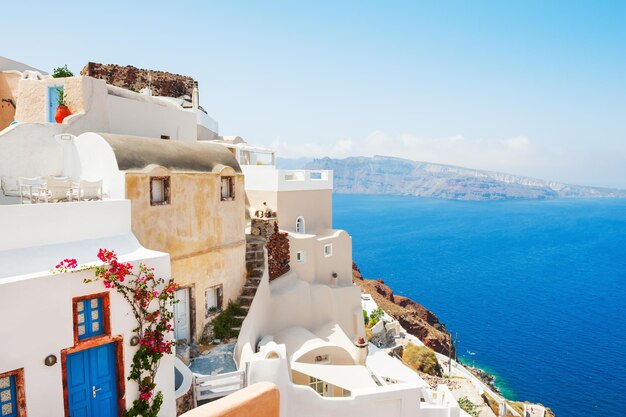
{"x":53,"y":102}
{"x":92,"y":382}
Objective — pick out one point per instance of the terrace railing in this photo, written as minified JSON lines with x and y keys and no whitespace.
{"x":216,"y":386}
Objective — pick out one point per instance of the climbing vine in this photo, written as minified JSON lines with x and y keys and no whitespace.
{"x":151,"y":299}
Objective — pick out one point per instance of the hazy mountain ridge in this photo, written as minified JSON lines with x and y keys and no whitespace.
{"x":389,"y":175}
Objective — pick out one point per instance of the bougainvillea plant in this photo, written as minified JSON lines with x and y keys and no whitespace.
{"x":151,"y":299}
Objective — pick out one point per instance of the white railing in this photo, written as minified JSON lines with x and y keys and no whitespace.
{"x":268,"y":178}
{"x":216,"y":386}
{"x":305,"y":175}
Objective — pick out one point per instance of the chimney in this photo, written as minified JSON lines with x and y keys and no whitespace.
{"x":195,"y":96}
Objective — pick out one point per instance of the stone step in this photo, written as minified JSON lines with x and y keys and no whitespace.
{"x":254,"y":264}
{"x":242,"y":318}
{"x":251,"y":256}
{"x":249,"y":290}
{"x":245,"y":300}
{"x":235,"y":329}
{"x":254,"y":246}
{"x":255,"y":273}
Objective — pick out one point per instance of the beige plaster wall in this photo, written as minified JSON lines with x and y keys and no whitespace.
{"x":256,"y":199}
{"x":32,"y":97}
{"x":8,"y":90}
{"x":259,"y":400}
{"x":317,"y":267}
{"x":340,"y":262}
{"x":204,"y":236}
{"x":316,"y":206}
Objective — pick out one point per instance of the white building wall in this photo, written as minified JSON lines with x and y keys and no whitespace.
{"x":36,"y":306}
{"x":401,"y":400}
{"x":141,"y":118}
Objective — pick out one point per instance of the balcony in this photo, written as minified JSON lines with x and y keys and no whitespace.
{"x":268,"y":178}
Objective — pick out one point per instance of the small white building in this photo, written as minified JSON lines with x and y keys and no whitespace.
{"x":68,"y":346}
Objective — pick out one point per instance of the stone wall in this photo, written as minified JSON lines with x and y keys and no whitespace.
{"x":185,"y":402}
{"x":132,"y":78}
{"x":263,"y":227}
{"x":277,"y":253}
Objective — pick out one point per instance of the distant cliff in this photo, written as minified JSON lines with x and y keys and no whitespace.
{"x":387,"y":175}
{"x":415,"y":318}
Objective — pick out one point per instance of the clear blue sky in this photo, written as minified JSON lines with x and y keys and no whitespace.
{"x":529,"y":87}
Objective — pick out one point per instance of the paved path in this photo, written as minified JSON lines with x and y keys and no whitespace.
{"x":460,"y":370}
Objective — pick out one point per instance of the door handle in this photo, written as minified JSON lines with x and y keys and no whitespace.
{"x":94,"y":390}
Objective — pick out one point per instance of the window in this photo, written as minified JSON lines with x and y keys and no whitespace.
{"x":214,"y":299}
{"x":12,"y":394}
{"x":90,"y":317}
{"x":159,"y":191}
{"x":301,"y":256}
{"x":228,"y":189}
{"x":166,"y":137}
{"x":328,"y":250}
{"x":300,"y":225}
{"x":317,"y":385}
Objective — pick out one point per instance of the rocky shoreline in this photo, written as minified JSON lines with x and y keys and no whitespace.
{"x":415,"y":318}
{"x":422,"y":323}
{"x":485,"y":377}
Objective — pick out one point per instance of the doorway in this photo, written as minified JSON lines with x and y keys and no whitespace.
{"x":182,"y":320}
{"x":92,"y":382}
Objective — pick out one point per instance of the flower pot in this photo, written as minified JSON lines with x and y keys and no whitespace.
{"x":62,"y":113}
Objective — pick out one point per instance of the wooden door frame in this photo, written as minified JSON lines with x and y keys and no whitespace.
{"x":119,"y":368}
{"x":92,"y":342}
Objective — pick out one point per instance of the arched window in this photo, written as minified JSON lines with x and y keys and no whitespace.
{"x":300,"y":225}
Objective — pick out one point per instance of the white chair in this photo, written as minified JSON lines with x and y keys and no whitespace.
{"x":89,"y":190}
{"x":59,"y":189}
{"x":34,"y":189}
{"x":10,"y":186}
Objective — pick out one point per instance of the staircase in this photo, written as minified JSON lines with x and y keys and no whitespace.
{"x":255,"y":266}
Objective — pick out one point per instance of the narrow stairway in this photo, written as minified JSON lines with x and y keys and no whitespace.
{"x":255,"y":266}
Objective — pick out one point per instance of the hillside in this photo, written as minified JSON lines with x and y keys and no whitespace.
{"x":387,"y":175}
{"x":415,"y":318}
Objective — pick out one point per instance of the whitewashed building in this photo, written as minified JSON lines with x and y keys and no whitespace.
{"x":67,"y":346}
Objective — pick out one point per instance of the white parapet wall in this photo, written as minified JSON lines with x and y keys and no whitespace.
{"x":271,"y":364}
{"x":268,"y":178}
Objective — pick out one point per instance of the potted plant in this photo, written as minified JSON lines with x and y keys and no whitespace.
{"x":62,"y":110}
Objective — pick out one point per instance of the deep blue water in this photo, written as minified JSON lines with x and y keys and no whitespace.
{"x":537,"y":289}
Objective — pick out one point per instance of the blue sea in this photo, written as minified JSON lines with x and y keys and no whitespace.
{"x":536,"y":289}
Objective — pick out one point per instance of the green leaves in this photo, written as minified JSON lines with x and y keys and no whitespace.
{"x":62,"y":72}
{"x":61,"y":97}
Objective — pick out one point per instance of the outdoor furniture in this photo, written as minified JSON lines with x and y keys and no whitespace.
{"x":10,"y":186}
{"x":33,"y":189}
{"x":89,"y":190}
{"x":59,"y":189}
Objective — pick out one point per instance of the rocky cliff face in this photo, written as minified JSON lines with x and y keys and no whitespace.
{"x":415,"y":318}
{"x":131,"y":78}
{"x":387,"y":175}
